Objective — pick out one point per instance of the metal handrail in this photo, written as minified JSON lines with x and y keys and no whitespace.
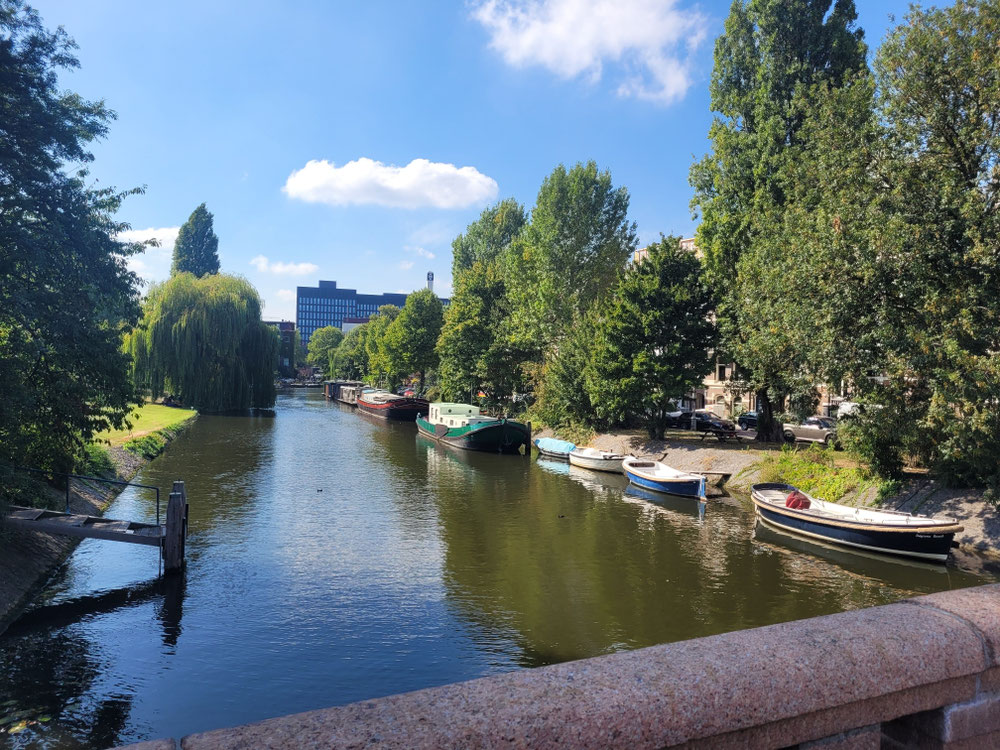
{"x":68,"y":476}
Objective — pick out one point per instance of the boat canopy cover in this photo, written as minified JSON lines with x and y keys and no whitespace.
{"x":555,"y":445}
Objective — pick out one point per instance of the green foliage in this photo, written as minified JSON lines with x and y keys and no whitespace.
{"x":769,"y":50}
{"x":66,"y":293}
{"x":196,"y":250}
{"x":563,"y":399}
{"x":654,"y":339}
{"x":890,"y":242}
{"x":203,"y":340}
{"x":812,"y":470}
{"x":350,"y":359}
{"x":148,"y":446}
{"x":473,"y":354}
{"x":383,"y":367}
{"x":568,"y":257}
{"x":94,"y":460}
{"x":488,"y":237}
{"x":322,"y":344}
{"x":411,"y":338}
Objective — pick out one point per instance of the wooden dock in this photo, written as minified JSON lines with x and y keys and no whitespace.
{"x":87,"y":527}
{"x":168,"y":537}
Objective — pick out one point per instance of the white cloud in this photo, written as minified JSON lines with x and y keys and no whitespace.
{"x":419,"y":251}
{"x":420,"y":183}
{"x":405,"y":265}
{"x":286,"y":269}
{"x":649,"y":40}
{"x":153,"y":264}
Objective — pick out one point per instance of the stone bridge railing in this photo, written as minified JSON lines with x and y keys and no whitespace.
{"x":923,"y":672}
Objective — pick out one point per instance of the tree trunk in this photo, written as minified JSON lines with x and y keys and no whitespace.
{"x":421,"y":391}
{"x":768,"y":429}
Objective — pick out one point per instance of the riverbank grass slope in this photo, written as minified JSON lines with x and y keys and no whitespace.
{"x":147,"y":419}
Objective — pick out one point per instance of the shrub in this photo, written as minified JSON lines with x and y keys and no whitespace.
{"x":95,"y":461}
{"x":147,"y":446}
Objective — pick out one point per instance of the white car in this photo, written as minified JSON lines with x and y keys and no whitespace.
{"x":814,"y":430}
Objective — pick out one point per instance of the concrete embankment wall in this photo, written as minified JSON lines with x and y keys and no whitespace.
{"x":923,"y":672}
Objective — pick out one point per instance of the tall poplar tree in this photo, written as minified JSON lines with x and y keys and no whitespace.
{"x":568,"y":257}
{"x":197,"y":247}
{"x":768,"y":50}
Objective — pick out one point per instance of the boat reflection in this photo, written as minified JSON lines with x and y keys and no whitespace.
{"x":898,"y":572}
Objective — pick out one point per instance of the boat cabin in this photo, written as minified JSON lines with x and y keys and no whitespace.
{"x":456,"y":415}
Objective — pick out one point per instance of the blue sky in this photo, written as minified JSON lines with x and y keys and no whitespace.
{"x":353,"y":141}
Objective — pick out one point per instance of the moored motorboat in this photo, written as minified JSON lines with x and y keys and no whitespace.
{"x":554,"y":448}
{"x":463,"y":426}
{"x":892,"y":532}
{"x":653,"y":475}
{"x":386,"y":405}
{"x":597,"y":460}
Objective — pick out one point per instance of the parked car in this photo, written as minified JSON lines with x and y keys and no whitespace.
{"x":704,"y":421}
{"x":814,"y":429}
{"x":747,"y":420}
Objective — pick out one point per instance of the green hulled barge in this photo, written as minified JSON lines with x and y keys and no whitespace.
{"x":462,"y":426}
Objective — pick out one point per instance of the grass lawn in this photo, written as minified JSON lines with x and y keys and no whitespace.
{"x":146,"y":419}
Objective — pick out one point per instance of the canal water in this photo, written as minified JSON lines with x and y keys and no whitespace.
{"x":333,"y":558}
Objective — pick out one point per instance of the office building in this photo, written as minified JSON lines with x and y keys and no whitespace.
{"x":326,"y":305}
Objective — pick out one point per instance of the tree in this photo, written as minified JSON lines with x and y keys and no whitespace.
{"x":322,"y":344}
{"x":196,"y":250}
{"x":770,"y":48}
{"x":896,"y":201}
{"x":350,"y":359}
{"x":383,"y":367}
{"x":411,"y":338}
{"x":654,"y":339}
{"x":66,"y":294}
{"x":473,"y":356}
{"x":569,"y":256}
{"x":203,"y":340}
{"x":487,"y":237}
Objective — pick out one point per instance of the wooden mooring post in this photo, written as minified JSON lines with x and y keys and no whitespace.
{"x":175,"y":529}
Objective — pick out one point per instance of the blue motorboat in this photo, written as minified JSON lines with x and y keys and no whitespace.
{"x":554,"y":448}
{"x":653,"y":475}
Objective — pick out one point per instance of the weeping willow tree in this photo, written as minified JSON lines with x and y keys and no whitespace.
{"x":202,"y":339}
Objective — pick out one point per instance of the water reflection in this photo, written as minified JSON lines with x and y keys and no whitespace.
{"x":334,"y":557}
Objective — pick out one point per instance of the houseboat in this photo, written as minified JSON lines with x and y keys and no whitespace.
{"x":463,"y":426}
{"x":348,"y":394}
{"x":331,"y":388}
{"x":386,"y":405}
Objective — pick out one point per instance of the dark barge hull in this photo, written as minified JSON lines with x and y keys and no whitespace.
{"x":928,"y":543}
{"x":501,"y":437}
{"x":403,"y":409}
